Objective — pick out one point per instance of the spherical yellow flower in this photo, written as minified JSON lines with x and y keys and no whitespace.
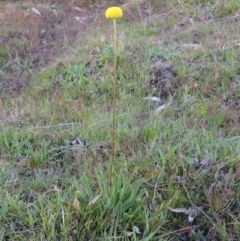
{"x":114,"y":12}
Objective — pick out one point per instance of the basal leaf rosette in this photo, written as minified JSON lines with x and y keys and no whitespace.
{"x":114,"y":12}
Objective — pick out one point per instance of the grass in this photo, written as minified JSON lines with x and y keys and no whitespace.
{"x":186,"y":156}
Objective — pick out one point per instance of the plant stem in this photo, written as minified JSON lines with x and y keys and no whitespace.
{"x":114,"y":97}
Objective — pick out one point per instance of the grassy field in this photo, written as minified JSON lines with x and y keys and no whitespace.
{"x":177,"y":167}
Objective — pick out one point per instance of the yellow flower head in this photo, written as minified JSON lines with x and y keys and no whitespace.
{"x":114,"y":12}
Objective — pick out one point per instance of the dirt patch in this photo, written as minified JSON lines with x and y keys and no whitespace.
{"x":163,"y":75}
{"x":33,"y":35}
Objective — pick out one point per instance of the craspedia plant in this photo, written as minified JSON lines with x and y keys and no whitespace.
{"x":114,"y":13}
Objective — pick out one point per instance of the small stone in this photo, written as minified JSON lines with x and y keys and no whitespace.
{"x":74,"y":232}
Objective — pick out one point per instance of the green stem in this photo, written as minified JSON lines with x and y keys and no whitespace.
{"x":114,"y":97}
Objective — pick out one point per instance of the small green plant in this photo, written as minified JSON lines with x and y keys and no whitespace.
{"x":116,"y":209}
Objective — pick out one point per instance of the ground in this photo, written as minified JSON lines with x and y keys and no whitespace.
{"x":36,"y":34}
{"x":175,"y":173}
